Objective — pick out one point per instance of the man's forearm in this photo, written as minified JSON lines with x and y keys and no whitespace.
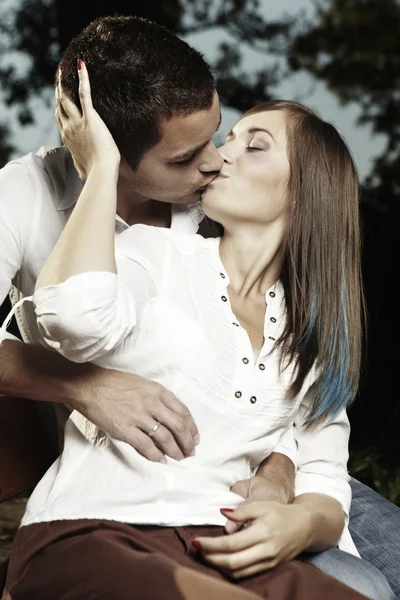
{"x":279,"y":471}
{"x":29,"y":371}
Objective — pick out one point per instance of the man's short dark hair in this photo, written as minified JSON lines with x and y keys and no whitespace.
{"x":140,"y":73}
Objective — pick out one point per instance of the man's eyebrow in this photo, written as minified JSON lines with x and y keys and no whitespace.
{"x":253,"y":130}
{"x":194,"y":151}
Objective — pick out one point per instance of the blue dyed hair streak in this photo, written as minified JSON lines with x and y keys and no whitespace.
{"x":321,"y":272}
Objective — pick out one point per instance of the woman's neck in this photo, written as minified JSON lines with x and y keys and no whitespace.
{"x":252,"y":257}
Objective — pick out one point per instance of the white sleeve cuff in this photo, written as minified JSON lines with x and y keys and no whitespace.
{"x":287,"y":445}
{"x":312,"y":483}
{"x":87,"y":316}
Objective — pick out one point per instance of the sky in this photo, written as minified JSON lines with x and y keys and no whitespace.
{"x":301,"y":87}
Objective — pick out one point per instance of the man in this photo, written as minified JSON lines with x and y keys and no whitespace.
{"x":158,"y":98}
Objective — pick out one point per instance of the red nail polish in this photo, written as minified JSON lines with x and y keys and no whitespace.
{"x":79,"y":61}
{"x":226,"y":509}
{"x":196,"y":544}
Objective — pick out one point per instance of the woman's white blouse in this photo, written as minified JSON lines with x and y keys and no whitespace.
{"x":167,"y":317}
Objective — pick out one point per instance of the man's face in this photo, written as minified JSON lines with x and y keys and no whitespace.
{"x":183,"y":162}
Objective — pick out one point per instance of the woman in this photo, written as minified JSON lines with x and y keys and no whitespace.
{"x":257,"y":330}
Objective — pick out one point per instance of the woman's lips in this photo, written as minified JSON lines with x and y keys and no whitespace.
{"x":220,"y":176}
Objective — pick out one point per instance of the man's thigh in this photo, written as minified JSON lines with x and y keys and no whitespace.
{"x":354,"y":572}
{"x":375,"y":529}
{"x":298,"y":580}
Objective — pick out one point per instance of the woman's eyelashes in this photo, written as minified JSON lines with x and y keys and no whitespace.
{"x":258,"y":146}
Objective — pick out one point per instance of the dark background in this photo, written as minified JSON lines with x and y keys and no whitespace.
{"x":353,"y":47}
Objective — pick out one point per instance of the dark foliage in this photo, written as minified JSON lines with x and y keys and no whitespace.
{"x":41,"y":29}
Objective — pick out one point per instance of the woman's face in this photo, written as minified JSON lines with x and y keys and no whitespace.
{"x":252,"y":185}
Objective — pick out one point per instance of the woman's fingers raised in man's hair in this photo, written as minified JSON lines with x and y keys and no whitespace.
{"x":84,"y":133}
{"x":85,"y":94}
{"x":68,"y":107}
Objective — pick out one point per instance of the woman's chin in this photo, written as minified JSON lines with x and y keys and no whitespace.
{"x":209,"y":198}
{"x":207,"y":207}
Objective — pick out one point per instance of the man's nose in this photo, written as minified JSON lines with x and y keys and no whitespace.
{"x":213,"y":163}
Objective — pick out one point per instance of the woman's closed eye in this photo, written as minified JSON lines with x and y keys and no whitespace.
{"x":258,"y":144}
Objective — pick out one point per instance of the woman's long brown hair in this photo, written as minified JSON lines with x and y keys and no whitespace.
{"x":321,"y":273}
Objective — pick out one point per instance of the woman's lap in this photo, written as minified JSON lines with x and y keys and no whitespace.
{"x":103,"y":559}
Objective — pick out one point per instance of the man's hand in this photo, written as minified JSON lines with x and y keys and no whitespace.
{"x":258,"y":488}
{"x":124,"y":405}
{"x":128,"y":406}
{"x":274,"y":482}
{"x":255,"y":489}
{"x":274,"y":533}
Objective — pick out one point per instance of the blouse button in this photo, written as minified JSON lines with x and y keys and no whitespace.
{"x":272,"y":294}
{"x":235,"y":324}
{"x":245,"y":361}
{"x":238,"y":394}
{"x":222,"y":275}
{"x":271,"y":338}
{"x":273,"y":320}
{"x":253,"y":399}
{"x":261,"y":366}
{"x":224,"y":298}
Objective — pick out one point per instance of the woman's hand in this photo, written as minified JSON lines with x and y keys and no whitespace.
{"x":85,"y":134}
{"x":273,"y":533}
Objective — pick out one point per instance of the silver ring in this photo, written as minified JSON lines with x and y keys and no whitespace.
{"x":154,"y":429}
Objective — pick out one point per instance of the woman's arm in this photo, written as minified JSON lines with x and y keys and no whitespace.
{"x":326,"y":520}
{"x":274,"y":533}
{"x":314,"y":521}
{"x":83,"y":311}
{"x":87,"y":242}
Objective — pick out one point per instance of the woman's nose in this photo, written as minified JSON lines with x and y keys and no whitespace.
{"x":227,"y":153}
